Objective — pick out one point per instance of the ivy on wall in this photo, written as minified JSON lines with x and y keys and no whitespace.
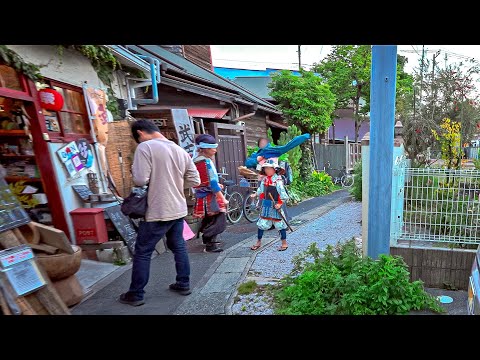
{"x":11,"y":58}
{"x":102,"y":59}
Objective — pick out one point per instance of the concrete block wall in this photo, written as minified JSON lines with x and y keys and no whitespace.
{"x":437,"y":267}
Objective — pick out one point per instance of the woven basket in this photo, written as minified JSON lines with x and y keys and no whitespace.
{"x":120,"y":140}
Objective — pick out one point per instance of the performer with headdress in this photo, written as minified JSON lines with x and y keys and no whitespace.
{"x":210,"y":204}
{"x":272,"y":193}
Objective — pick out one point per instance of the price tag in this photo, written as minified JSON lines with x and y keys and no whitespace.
{"x":19,"y":267}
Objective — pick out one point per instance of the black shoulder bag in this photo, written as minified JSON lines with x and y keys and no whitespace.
{"x":135,"y":204}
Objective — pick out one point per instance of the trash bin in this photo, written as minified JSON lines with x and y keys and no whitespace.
{"x":89,"y":225}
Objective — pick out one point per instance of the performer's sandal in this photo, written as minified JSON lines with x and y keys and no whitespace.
{"x":255,"y":247}
{"x":283,"y":248}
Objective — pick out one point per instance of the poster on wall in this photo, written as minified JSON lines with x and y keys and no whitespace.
{"x":97,"y":105}
{"x":70,"y":156}
{"x":184,"y":129}
{"x":85,"y":152}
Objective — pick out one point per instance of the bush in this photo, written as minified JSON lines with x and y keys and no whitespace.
{"x":356,"y":189}
{"x":340,"y":282}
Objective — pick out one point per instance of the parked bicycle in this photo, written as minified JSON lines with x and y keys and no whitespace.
{"x":345,"y":177}
{"x":251,"y":206}
{"x":235,"y":200}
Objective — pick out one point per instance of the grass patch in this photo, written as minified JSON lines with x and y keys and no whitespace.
{"x":247,"y":287}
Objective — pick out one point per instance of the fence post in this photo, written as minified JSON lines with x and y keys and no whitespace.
{"x":347,"y":152}
{"x":382,"y":117}
{"x":365,"y":167}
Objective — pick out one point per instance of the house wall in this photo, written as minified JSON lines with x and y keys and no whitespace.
{"x":255,"y":128}
{"x":71,"y":67}
{"x":346,"y":127}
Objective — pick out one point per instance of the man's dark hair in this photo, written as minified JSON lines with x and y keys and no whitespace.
{"x":205,"y":138}
{"x":259,"y":140}
{"x":143,"y":125}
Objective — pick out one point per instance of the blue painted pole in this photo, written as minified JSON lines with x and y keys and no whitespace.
{"x":382,"y":118}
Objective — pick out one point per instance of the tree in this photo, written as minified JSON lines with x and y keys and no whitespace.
{"x":307,"y":102}
{"x":439,"y":93}
{"x":347,"y":70}
{"x":449,"y":138}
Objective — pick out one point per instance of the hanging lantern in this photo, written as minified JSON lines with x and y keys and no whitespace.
{"x":50,"y":99}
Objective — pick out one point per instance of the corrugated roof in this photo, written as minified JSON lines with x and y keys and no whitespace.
{"x":180,"y":64}
{"x":207,"y":113}
{"x":257,"y":85}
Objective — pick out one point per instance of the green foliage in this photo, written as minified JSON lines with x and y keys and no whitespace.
{"x":318,"y":184}
{"x":295,"y":155}
{"x":251,"y":150}
{"x":476,"y":163}
{"x":356,"y":189}
{"x":339,"y":281}
{"x":11,"y":58}
{"x":247,"y":287}
{"x":347,"y":70}
{"x":104,"y":64}
{"x":305,"y":100}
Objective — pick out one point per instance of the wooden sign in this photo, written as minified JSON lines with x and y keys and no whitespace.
{"x":184,"y":128}
{"x":163,"y":119}
{"x":12,"y":213}
{"x":124,"y":226}
{"x":83,"y":191}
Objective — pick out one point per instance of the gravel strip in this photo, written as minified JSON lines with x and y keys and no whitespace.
{"x":340,"y":224}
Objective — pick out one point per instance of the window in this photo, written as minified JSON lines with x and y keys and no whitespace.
{"x":71,"y":122}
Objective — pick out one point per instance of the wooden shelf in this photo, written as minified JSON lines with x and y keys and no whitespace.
{"x":12,"y":133}
{"x":17,"y":156}
{"x":21,"y":178}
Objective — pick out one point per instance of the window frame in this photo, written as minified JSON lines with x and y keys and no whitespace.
{"x":62,"y":136}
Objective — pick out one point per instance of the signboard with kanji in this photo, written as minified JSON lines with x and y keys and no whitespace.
{"x":184,"y":128}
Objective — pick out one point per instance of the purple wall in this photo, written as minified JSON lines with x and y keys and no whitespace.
{"x":346,"y":127}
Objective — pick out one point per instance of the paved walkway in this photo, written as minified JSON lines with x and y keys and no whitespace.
{"x":214,"y":293}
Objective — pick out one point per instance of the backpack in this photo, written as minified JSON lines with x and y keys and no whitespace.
{"x":288,"y":176}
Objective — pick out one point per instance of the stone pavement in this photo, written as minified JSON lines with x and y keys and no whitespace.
{"x":214,"y":293}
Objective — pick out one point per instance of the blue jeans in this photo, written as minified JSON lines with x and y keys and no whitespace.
{"x":149,"y":233}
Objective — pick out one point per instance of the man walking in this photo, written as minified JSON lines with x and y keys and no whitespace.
{"x":168,"y":170}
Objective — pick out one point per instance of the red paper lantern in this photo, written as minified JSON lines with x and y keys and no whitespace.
{"x":50,"y":99}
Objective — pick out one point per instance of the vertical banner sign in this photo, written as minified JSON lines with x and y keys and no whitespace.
{"x":97,"y":103}
{"x":184,"y":129}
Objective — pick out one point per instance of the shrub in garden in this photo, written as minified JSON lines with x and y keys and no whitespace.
{"x":339,"y":281}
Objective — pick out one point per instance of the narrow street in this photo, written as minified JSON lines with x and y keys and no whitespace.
{"x":159,"y":299}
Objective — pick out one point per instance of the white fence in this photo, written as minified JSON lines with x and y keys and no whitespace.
{"x":436,"y":205}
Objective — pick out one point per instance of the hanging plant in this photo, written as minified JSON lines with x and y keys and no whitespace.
{"x":11,"y":58}
{"x":104,"y":63}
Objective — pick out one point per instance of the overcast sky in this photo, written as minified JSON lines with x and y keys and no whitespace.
{"x":286,"y":56}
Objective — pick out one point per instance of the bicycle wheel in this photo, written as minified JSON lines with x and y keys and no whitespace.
{"x":347,"y":180}
{"x":251,"y":209}
{"x":235,"y":207}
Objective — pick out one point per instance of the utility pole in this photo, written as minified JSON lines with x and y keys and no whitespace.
{"x":382,"y":116}
{"x":299,"y":59}
{"x":421,"y":74}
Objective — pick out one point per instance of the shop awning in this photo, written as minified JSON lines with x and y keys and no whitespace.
{"x":207,"y":113}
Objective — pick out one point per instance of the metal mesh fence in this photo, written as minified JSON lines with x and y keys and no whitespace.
{"x":439,"y":205}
